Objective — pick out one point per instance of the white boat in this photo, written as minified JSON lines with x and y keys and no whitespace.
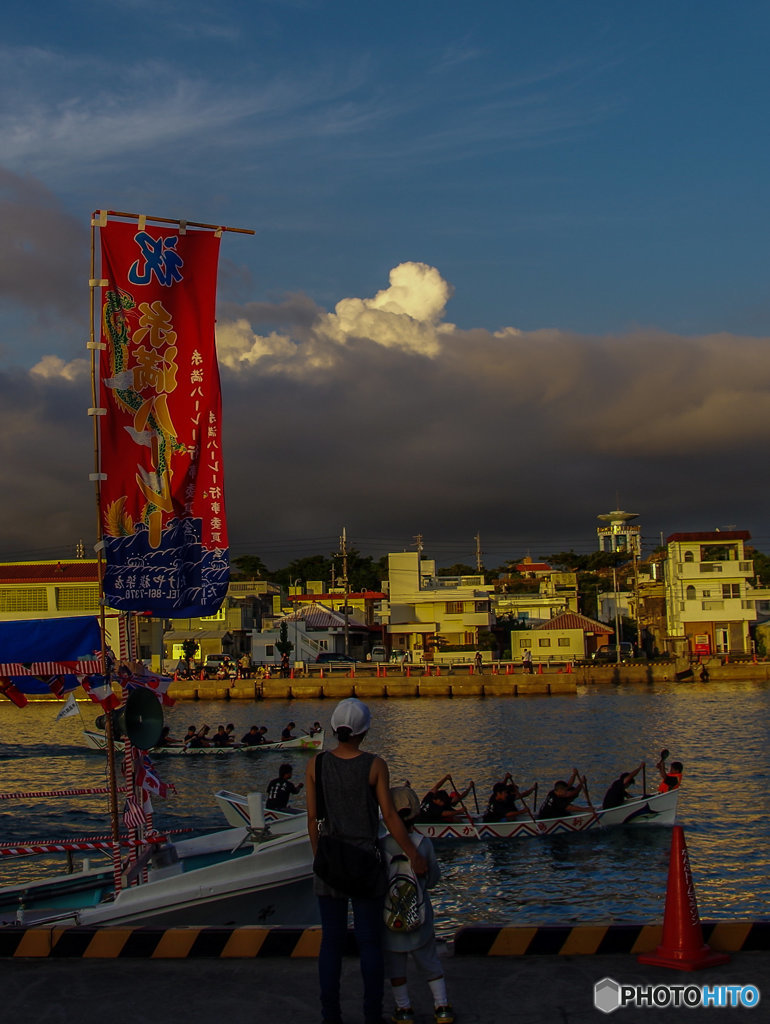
{"x":97,"y":740}
{"x":235,"y":808}
{"x":238,"y":876}
{"x":655,"y":809}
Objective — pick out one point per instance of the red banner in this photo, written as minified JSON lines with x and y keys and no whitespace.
{"x":163,"y":511}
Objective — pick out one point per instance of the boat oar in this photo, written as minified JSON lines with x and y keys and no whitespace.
{"x":475,"y":798}
{"x":464,"y":809}
{"x":584,"y":780}
{"x":524,"y":803}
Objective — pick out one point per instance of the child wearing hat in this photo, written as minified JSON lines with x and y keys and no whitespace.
{"x":421,"y":943}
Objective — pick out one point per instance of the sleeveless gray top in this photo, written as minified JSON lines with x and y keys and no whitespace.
{"x":352,"y":810}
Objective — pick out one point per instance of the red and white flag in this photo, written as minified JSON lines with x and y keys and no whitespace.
{"x":101,"y":692}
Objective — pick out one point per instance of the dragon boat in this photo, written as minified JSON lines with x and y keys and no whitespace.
{"x":97,"y":740}
{"x":652,"y":809}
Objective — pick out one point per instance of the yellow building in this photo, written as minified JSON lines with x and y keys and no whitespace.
{"x":436,"y":618}
{"x":56,"y":589}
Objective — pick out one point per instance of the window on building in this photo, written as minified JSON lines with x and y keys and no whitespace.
{"x":454,"y":607}
{"x":480,"y":606}
{"x":689,"y":556}
{"x":24,"y":599}
{"x":525,"y":642}
{"x":563,"y":641}
{"x":77,"y":599}
{"x":690,"y":593}
{"x":269,"y":650}
{"x":544,"y":641}
{"x":731,"y":590}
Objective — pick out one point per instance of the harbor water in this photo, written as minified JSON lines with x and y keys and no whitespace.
{"x":719,"y":731}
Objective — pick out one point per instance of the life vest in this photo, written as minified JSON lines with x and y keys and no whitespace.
{"x":664,"y":786}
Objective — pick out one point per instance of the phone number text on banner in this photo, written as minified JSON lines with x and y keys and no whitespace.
{"x":163,"y":509}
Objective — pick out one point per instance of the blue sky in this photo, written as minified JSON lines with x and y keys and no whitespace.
{"x":575,"y":194}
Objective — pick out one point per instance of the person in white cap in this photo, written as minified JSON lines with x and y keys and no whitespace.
{"x":355,"y":787}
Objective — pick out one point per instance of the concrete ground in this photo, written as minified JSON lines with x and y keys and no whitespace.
{"x":524,"y":990}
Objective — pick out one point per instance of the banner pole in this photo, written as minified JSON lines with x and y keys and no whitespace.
{"x":95,"y":347}
{"x":171,"y":220}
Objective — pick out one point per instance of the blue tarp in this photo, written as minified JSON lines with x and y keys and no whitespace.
{"x":65,"y":639}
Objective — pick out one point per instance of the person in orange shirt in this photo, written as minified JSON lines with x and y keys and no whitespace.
{"x":670,"y":778}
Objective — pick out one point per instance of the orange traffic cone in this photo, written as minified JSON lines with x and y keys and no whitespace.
{"x":540,"y":669}
{"x":682,"y":947}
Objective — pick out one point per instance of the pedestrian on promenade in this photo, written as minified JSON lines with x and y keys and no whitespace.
{"x":353,"y":785}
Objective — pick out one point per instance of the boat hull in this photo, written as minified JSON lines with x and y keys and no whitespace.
{"x":96,"y":740}
{"x":201,"y":881}
{"x":658,"y":809}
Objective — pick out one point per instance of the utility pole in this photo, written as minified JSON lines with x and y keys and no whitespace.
{"x":346,"y":585}
{"x":418,"y":542}
{"x":479,"y":563}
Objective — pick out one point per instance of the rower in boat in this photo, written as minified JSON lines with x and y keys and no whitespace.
{"x":200,"y":739}
{"x":280,"y":789}
{"x":166,"y":739}
{"x":221,"y":737}
{"x":440,"y":805}
{"x":502,"y":805}
{"x":670,"y":778}
{"x":558,"y":803}
{"x":617,"y":794}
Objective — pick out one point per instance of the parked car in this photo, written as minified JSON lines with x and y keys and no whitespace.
{"x":329,"y":659}
{"x":610,"y":653}
{"x":214,"y":662}
{"x":379,"y":653}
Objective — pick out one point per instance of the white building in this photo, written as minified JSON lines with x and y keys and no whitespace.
{"x":425,"y":613}
{"x":619,"y":535}
{"x":710,"y":600}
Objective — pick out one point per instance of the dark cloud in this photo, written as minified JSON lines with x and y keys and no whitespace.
{"x":392,"y":424}
{"x":43,"y":252}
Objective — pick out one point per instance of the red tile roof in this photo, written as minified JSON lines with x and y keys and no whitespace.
{"x":70,"y":570}
{"x":573,"y":620}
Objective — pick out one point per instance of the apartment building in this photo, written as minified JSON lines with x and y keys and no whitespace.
{"x":427,"y":614}
{"x":710,"y":599}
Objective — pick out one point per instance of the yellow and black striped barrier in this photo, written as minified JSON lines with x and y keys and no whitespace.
{"x":250,"y":942}
{"x":600,"y":939}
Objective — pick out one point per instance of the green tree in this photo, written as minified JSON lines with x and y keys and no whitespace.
{"x":250,"y":567}
{"x":761,"y":564}
{"x":189,"y":647}
{"x":284,"y":645}
{"x":313,"y":567}
{"x":459,"y":569}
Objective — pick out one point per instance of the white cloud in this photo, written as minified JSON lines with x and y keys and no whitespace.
{"x":52,"y":367}
{"x":405,"y":315}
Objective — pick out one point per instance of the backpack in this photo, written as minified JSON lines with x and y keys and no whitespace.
{"x":404,"y":909}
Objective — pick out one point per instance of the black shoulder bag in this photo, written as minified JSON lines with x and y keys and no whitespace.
{"x":351,"y":870}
